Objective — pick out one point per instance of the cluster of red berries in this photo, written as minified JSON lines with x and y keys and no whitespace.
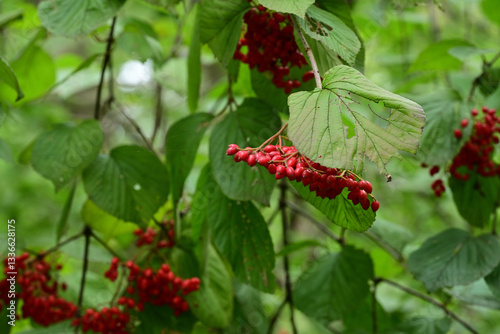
{"x":160,"y":287}
{"x":38,"y":290}
{"x":286,"y":161}
{"x":148,"y":237}
{"x":476,"y":154}
{"x":108,"y":320}
{"x":271,"y":47}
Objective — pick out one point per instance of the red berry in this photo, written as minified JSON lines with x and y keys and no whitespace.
{"x":457,"y":133}
{"x":434,"y":170}
{"x":464,"y":122}
{"x":375,"y":205}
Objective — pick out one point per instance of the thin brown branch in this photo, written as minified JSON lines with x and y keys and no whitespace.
{"x":105,"y":245}
{"x":275,"y":317}
{"x":310,"y":55}
{"x":385,"y":246}
{"x":429,"y":300}
{"x":105,"y":62}
{"x":137,"y":129}
{"x":59,"y":245}
{"x":87,"y":232}
{"x":158,"y":111}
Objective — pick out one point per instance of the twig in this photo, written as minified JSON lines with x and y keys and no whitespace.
{"x":275,"y":317}
{"x":137,"y":129}
{"x":87,"y":232}
{"x":385,"y":246}
{"x":99,"y":240}
{"x":493,"y":60}
{"x":59,"y":245}
{"x":316,"y":223}
{"x":429,"y":300}
{"x":107,"y":57}
{"x":158,"y":111}
{"x":288,"y":283}
{"x":310,"y":55}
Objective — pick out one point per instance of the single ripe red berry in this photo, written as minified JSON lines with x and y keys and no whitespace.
{"x":474,"y":112}
{"x":290,"y":173}
{"x":308,"y":76}
{"x":434,"y":170}
{"x":464,"y":122}
{"x":264,"y":161}
{"x":269,"y":148}
{"x":271,"y":168}
{"x":232,"y":149}
{"x":375,"y":205}
{"x":457,"y":133}
{"x":252,"y":160}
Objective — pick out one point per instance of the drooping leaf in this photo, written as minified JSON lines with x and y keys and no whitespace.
{"x":454,"y":257}
{"x":241,"y":235}
{"x":194,"y":68}
{"x":213,"y":304}
{"x":443,"y":110}
{"x":104,"y":223}
{"x":493,"y":281}
{"x":8,"y":76}
{"x":297,"y":7}
{"x":477,"y":198}
{"x":334,"y":285}
{"x":129,"y":183}
{"x":437,"y":57}
{"x":220,"y":26}
{"x":250,"y":125}
{"x":340,"y":210}
{"x":181,"y":146}
{"x":332,"y":32}
{"x":70,"y":18}
{"x":5,"y":152}
{"x":62,"y":153}
{"x":317,"y":129}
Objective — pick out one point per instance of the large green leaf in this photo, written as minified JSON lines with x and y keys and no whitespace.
{"x":181,"y":146}
{"x":340,"y":210}
{"x":8,"y":76}
{"x":317,"y":129}
{"x":62,"y":153}
{"x":241,"y":235}
{"x":331,"y":32}
{"x":437,"y":57}
{"x":194,"y":67}
{"x":130,"y":183}
{"x":250,"y":125}
{"x":454,"y":257}
{"x":73,"y":18}
{"x":493,"y":281}
{"x":297,"y":7}
{"x":220,"y":26}
{"x":104,"y":223}
{"x":477,"y":198}
{"x":443,"y":110}
{"x":334,"y":285}
{"x":213,"y":303}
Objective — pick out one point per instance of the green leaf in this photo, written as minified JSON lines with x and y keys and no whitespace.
{"x":340,"y":210}
{"x":140,"y":41}
{"x":9,"y":17}
{"x":317,"y":130}
{"x":250,"y":125}
{"x":437,"y":57}
{"x":5,"y":327}
{"x":489,"y":80}
{"x":297,"y":7}
{"x":8,"y":76}
{"x":267,"y":91}
{"x":360,"y":319}
{"x":490,"y":9}
{"x":103,"y":222}
{"x":62,"y":224}
{"x":443,"y":110}
{"x":62,"y":153}
{"x":332,"y":32}
{"x":182,"y":142}
{"x":241,"y":235}
{"x":130,"y":183}
{"x":24,"y":158}
{"x":213,"y":304}
{"x":334,"y":285}
{"x":70,"y":18}
{"x":194,"y":68}
{"x":220,"y":26}
{"x":454,"y":257}
{"x":477,"y":198}
{"x":160,"y":319}
{"x":5,"y":152}
{"x":493,"y":281}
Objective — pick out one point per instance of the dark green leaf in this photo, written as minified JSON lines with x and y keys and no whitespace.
{"x":318,"y":131}
{"x":477,"y":198}
{"x":62,"y":153}
{"x":489,"y":80}
{"x":62,"y":225}
{"x":241,"y":235}
{"x":130,"y":183}
{"x":297,"y":7}
{"x":159,"y":319}
{"x":493,"y":281}
{"x":194,"y":68}
{"x":70,"y":18}
{"x":437,"y":57}
{"x":204,"y":190}
{"x":331,"y":32}
{"x":361,"y":318}
{"x":250,"y":125}
{"x":454,"y":257}
{"x":8,"y":76}
{"x":334,"y":285}
{"x":102,"y":222}
{"x":340,"y":210}
{"x":5,"y":151}
{"x":220,"y":26}
{"x":181,"y":145}
{"x":212,"y":304}
{"x":267,"y":91}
